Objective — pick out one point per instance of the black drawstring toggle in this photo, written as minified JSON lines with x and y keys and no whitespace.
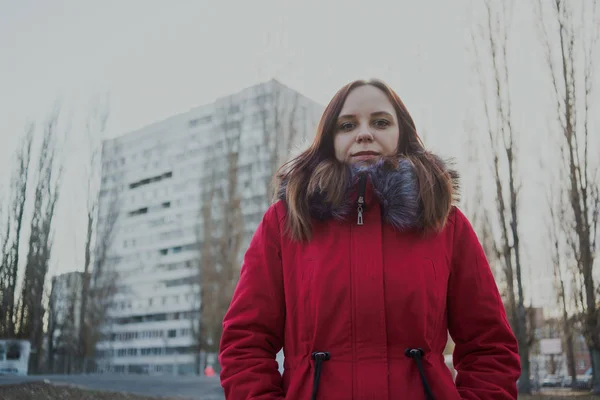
{"x":417,"y":355}
{"x":319,"y":357}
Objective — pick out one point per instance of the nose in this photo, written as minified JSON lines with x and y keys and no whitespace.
{"x":364,"y":135}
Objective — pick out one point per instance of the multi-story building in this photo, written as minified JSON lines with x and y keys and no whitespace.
{"x":165,"y":177}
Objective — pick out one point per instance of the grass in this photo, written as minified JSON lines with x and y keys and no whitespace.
{"x":45,"y":391}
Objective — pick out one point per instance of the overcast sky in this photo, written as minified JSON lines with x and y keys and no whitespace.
{"x":158,"y":58}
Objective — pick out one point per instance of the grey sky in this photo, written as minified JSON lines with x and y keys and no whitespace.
{"x":158,"y":58}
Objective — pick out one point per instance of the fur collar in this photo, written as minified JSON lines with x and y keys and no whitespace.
{"x":395,"y":188}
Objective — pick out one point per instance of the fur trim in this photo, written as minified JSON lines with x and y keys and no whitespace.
{"x":394,"y":184}
{"x":398,"y":193}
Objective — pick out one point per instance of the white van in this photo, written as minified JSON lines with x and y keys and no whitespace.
{"x":14,"y":356}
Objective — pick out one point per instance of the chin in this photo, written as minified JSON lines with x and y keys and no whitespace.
{"x":367,"y":161}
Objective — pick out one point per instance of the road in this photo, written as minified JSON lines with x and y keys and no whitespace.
{"x":190,"y":387}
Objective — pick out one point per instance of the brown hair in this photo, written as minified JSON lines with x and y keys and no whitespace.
{"x":317,"y":168}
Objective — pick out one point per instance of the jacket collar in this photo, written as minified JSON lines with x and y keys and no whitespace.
{"x":394,"y":187}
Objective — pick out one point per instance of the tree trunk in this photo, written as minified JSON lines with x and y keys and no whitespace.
{"x":502,"y":135}
{"x":85,"y":287}
{"x":572,"y":86}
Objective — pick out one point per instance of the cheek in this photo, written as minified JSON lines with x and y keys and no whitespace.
{"x":391,"y":142}
{"x":340,"y":145}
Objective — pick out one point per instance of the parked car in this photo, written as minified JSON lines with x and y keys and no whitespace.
{"x":534,"y":383}
{"x":584,"y":381}
{"x":552,"y":381}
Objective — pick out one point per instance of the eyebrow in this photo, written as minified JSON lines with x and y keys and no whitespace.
{"x":375,"y":114}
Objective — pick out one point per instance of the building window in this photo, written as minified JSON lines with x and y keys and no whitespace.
{"x":185,"y":332}
{"x":14,"y":351}
{"x":172,"y":333}
{"x":138,"y":211}
{"x":198,"y":121}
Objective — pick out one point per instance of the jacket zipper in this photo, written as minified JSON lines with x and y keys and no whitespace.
{"x":360,"y":201}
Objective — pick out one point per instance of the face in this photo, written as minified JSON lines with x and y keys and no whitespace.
{"x":367,"y":127}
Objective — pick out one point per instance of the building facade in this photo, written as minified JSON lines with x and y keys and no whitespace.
{"x":165,"y":178}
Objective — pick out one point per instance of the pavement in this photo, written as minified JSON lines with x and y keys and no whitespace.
{"x":187,"y":387}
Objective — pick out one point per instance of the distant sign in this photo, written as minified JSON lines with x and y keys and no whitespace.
{"x":550,"y":346}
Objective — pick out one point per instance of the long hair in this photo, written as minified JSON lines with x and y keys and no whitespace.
{"x":318,"y":169}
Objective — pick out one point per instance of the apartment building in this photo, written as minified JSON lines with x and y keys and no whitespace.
{"x":161,"y":177}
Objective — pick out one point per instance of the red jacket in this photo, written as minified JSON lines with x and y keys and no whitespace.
{"x":362,"y":295}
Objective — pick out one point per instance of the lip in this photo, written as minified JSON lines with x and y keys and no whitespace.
{"x":365,"y":154}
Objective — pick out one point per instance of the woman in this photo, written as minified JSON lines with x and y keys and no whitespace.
{"x":361,"y":269}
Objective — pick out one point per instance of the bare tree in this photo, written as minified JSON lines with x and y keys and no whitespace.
{"x":103,"y":280}
{"x":475,"y":204}
{"x":31,"y":304}
{"x":574,"y":27}
{"x":4,"y":261}
{"x":276,"y":112}
{"x":202,"y":315}
{"x":491,"y":44}
{"x":95,"y":126}
{"x":222,"y":225}
{"x":558,"y":257}
{"x":52,"y":328}
{"x":13,"y":234}
{"x":283,"y":124}
{"x":62,"y":335}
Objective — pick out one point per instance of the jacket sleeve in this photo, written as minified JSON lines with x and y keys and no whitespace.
{"x":486,"y":353}
{"x":253,"y":326}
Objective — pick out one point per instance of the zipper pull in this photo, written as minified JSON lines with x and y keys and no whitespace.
{"x":360,"y":201}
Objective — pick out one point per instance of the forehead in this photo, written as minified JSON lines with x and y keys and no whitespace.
{"x":367,"y":99}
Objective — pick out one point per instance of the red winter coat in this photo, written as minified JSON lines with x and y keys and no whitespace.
{"x":374,"y":302}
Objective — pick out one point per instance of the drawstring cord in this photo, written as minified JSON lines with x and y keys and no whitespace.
{"x":417,"y":355}
{"x":319,"y":357}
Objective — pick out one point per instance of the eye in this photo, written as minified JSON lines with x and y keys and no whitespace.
{"x":346,"y":126}
{"x":381,"y":123}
